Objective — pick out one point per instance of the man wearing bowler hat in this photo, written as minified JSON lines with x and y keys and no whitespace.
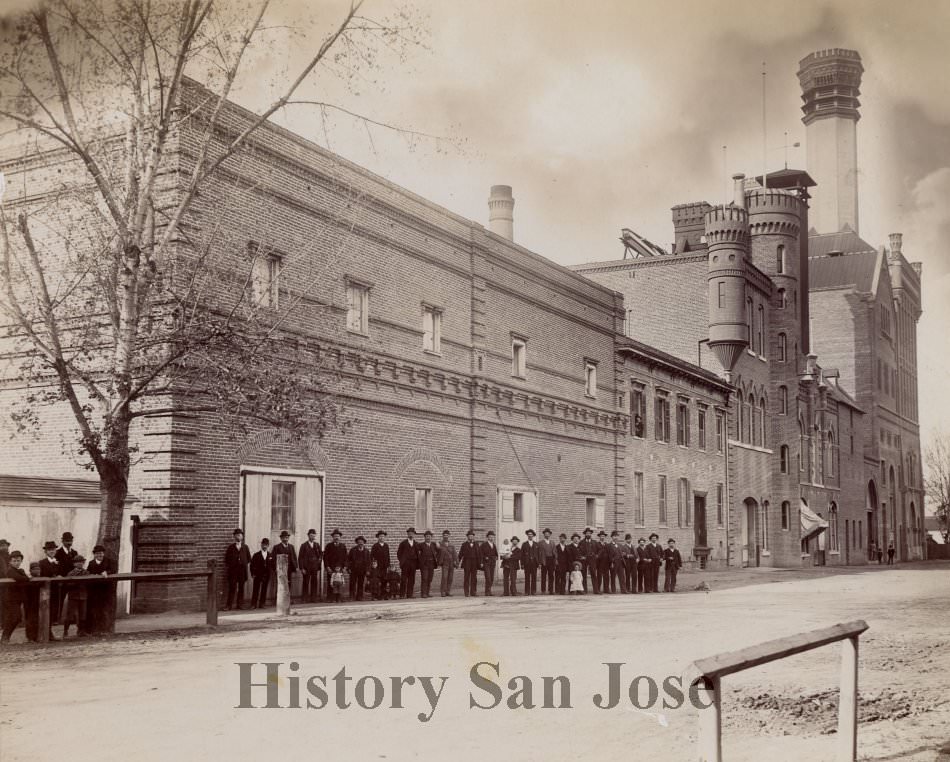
{"x":236,"y":560}
{"x":65,"y":554}
{"x":602,"y":564}
{"x":588,"y":557}
{"x":562,"y":563}
{"x":262,"y":569}
{"x":334,"y":556}
{"x":310,"y":557}
{"x":656,"y":559}
{"x":469,"y":560}
{"x":509,"y":568}
{"x":284,"y":548}
{"x":381,"y":563}
{"x":427,"y":558}
{"x":530,"y":562}
{"x":548,"y":562}
{"x":406,"y":555}
{"x":49,"y":567}
{"x":488,"y":559}
{"x":358,"y":562}
{"x":447,"y":561}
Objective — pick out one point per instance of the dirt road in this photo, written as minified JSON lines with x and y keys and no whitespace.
{"x":152,"y":698}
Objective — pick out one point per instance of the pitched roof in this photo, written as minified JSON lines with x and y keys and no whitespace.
{"x":846,"y":241}
{"x":854,"y":269}
{"x":42,"y":488}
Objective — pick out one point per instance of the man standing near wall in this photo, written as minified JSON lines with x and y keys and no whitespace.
{"x":358,"y":563}
{"x":488,"y":559}
{"x":447,"y":561}
{"x":427,"y":557}
{"x":530,"y":562}
{"x":310,"y":557}
{"x":562,"y":563}
{"x":468,"y":563}
{"x":334,"y":555}
{"x":381,"y":564}
{"x":284,"y":548}
{"x":407,"y":555}
{"x":548,"y":563}
{"x":587,"y":557}
{"x":262,"y":567}
{"x":236,"y":560}
{"x":656,"y":558}
{"x":644,"y":567}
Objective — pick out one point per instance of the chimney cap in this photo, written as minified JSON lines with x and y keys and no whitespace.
{"x":501,"y":191}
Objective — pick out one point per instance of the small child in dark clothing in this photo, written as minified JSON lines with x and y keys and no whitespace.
{"x":336,"y":584}
{"x":76,"y":600}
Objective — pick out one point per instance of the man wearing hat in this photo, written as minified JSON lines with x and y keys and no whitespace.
{"x":469,"y":560}
{"x":447,"y":561}
{"x":381,"y":563}
{"x":427,"y":557}
{"x":99,"y":599}
{"x":15,"y":598}
{"x":548,"y":562}
{"x":588,"y":557}
{"x":562,"y":563}
{"x":488,"y":559}
{"x":601,"y":570}
{"x":672,"y":563}
{"x":262,"y":569}
{"x":66,"y":554}
{"x":358,"y":562}
{"x":284,"y":548}
{"x":335,"y":556}
{"x":49,"y":567}
{"x":236,"y":560}
{"x":407,"y":555}
{"x":509,"y":568}
{"x":656,"y":558}
{"x":615,"y":571}
{"x":629,"y":551}
{"x":644,"y":573}
{"x":310,"y":557}
{"x":530,"y":562}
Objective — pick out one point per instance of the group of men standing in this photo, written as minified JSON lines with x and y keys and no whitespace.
{"x":607,"y":565}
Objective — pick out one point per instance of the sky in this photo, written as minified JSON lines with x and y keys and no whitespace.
{"x":605,"y":114}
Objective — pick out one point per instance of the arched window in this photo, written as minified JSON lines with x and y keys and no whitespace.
{"x":740,"y":408}
{"x":832,"y":455}
{"x":786,"y":515}
{"x":783,"y":400}
{"x":747,"y":419}
{"x":782,"y":299}
{"x":783,"y":461}
{"x":763,"y":415}
{"x":802,"y":446}
{"x":760,"y":332}
{"x":749,"y":317}
{"x":782,"y":348}
{"x":780,"y":260}
{"x":756,"y":422}
{"x":833,"y":528}
{"x":818,"y":445}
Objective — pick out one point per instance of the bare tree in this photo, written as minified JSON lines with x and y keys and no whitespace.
{"x":105,"y":272}
{"x":937,"y":479}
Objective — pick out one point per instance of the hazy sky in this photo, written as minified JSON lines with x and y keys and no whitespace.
{"x":605,"y":114}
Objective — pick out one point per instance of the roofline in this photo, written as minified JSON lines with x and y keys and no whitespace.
{"x":639,"y":349}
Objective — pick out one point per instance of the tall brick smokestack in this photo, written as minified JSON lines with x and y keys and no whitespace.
{"x":501,"y":212}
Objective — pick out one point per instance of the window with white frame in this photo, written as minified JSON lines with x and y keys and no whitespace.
{"x":682,"y":503}
{"x":357,"y":307}
{"x":423,"y":509}
{"x":596,"y":512}
{"x":701,"y":427}
{"x":519,"y":350}
{"x":719,"y":506}
{"x":661,"y":499}
{"x":265,"y":281}
{"x":431,"y":329}
{"x":638,"y":512}
{"x":638,"y":410}
{"x":661,"y":415}
{"x":682,"y":422}
{"x":720,"y":432}
{"x":590,"y":378}
{"x":283,"y":506}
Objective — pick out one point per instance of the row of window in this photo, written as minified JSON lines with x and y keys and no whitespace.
{"x":684,"y":417}
{"x":684,"y":502}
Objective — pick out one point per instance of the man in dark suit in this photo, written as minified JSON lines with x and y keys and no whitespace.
{"x":548,"y":562}
{"x":487,"y":559}
{"x":562,"y":563}
{"x":381,"y":563}
{"x":615,"y":572}
{"x":15,"y":598}
{"x":427,"y":558}
{"x":629,"y":551}
{"x":407,"y":556}
{"x":644,"y":569}
{"x":262,"y":569}
{"x":49,"y":567}
{"x":284,"y":548}
{"x":588,"y":557}
{"x":530,"y":562}
{"x":656,"y":559}
{"x":310,"y":558}
{"x":602,"y":564}
{"x":236,"y":559}
{"x":469,"y":561}
{"x":509,"y":568}
{"x":66,"y":554}
{"x":334,"y":556}
{"x":100,"y":600}
{"x":358,"y":563}
{"x":672,"y":561}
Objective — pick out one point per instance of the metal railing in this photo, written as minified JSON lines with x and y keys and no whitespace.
{"x":46,"y":584}
{"x":706,"y":675}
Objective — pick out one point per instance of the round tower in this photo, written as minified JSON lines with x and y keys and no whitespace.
{"x":727,"y":240}
{"x":501,"y":211}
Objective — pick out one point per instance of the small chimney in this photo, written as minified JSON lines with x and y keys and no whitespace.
{"x":738,"y":183}
{"x":897,"y":240}
{"x":501,"y":208}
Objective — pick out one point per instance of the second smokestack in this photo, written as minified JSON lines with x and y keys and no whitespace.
{"x":501,"y":208}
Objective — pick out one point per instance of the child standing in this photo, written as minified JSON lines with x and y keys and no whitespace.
{"x":336,"y":583}
{"x":76,"y":600}
{"x":577,"y":579}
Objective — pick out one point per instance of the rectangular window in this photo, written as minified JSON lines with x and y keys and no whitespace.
{"x":517,"y":513}
{"x":661,"y":414}
{"x":722,"y":294}
{"x":682,"y":423}
{"x":701,"y":428}
{"x":265,"y":280}
{"x":590,"y":378}
{"x":638,"y":515}
{"x":431,"y":330}
{"x":596,"y":511}
{"x":661,"y":500}
{"x":283,"y":506}
{"x":682,"y":503}
{"x":638,"y":411}
{"x":719,"y":513}
{"x":519,"y":348}
{"x":720,"y":432}
{"x":357,"y":308}
{"x":423,"y":510}
{"x":786,"y":519}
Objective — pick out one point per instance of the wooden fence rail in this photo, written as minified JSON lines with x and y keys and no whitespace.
{"x":46,"y":583}
{"x":706,"y":675}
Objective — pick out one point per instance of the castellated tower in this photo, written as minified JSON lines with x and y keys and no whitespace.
{"x":727,"y":239}
{"x":831,"y":84}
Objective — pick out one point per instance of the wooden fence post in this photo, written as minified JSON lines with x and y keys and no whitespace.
{"x":283,"y":585}
{"x":42,"y":633}
{"x":848,"y":701}
{"x":211,"y":616}
{"x":709,"y":691}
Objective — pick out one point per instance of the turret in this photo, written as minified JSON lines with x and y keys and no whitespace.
{"x":727,"y":239}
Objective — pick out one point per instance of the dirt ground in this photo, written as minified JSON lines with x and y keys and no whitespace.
{"x":175,"y":694}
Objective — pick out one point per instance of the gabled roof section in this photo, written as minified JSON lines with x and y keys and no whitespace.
{"x":39,"y":488}
{"x":846,"y":241}
{"x":855,"y":270}
{"x":659,"y":357}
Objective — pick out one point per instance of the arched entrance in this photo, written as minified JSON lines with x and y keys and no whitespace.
{"x":872,"y":521}
{"x":749,"y":532}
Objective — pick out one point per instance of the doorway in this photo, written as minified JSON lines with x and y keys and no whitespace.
{"x":517,"y":512}
{"x":748,"y":532}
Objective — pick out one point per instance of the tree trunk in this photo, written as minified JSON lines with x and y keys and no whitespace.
{"x":114,"y":483}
